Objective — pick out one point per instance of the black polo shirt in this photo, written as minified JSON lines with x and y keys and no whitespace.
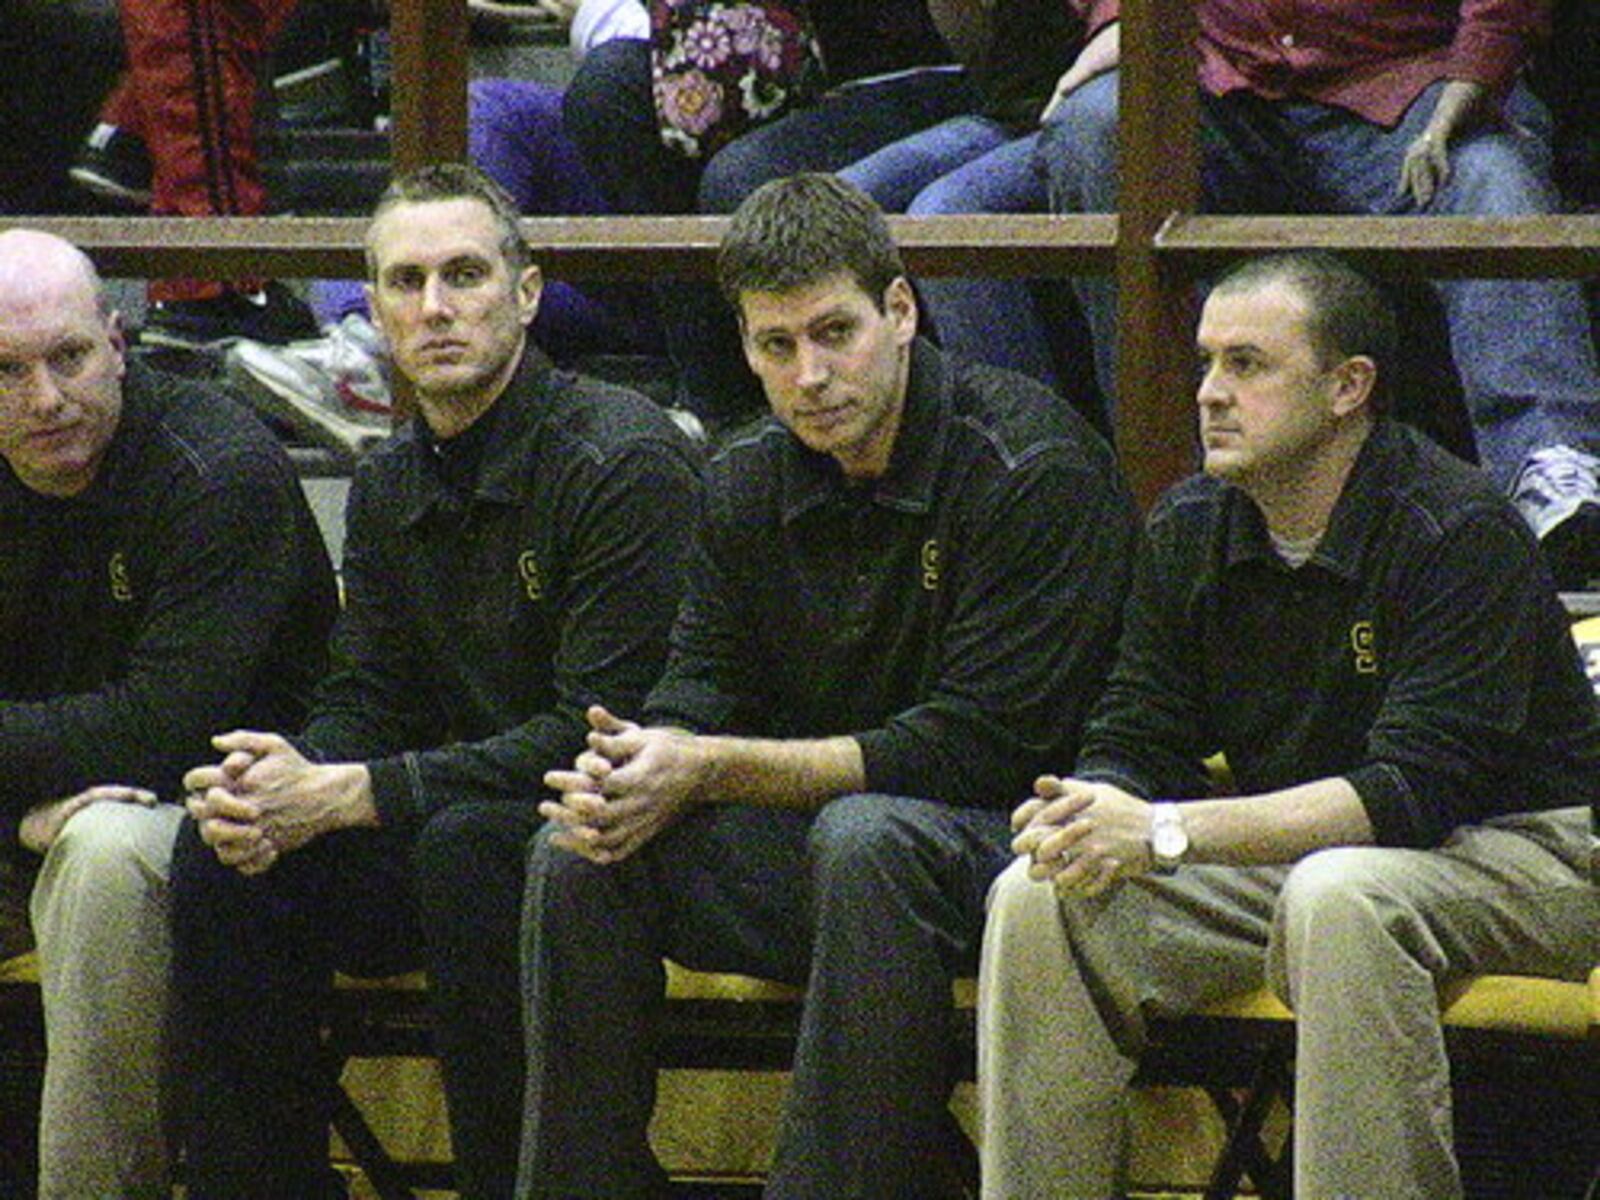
{"x":186,"y":591}
{"x":956,"y":615}
{"x":489,"y":601}
{"x":1421,"y":653}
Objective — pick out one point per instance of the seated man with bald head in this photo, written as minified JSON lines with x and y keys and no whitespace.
{"x":161,"y":578}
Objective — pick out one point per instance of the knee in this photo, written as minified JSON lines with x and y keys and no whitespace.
{"x":1330,"y":899}
{"x":450,"y":837}
{"x":940,"y":197}
{"x":851,"y":832}
{"x":1085,"y":126}
{"x":107,"y":855}
{"x":558,"y":878}
{"x":612,"y":77}
{"x":735,"y":171}
{"x":108,"y":841}
{"x":1015,"y":896}
{"x":1492,"y":176}
{"x":1079,"y":142}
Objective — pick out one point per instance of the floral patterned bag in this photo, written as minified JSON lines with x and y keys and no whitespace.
{"x":720,"y":67}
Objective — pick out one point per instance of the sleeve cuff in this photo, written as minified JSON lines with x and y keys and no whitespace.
{"x":397,"y":791}
{"x":1392,"y":807}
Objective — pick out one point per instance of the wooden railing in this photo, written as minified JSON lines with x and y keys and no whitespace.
{"x":1156,"y":245}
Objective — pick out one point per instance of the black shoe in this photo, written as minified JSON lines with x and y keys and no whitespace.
{"x":1572,"y":548}
{"x":115,"y":166}
{"x":274,"y":315}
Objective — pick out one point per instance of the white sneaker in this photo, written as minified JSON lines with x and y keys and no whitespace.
{"x":334,"y":389}
{"x":1558,"y":493}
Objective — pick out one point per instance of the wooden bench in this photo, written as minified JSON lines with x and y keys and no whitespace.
{"x":1542,"y":1033}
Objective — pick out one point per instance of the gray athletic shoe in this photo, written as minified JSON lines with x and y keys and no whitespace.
{"x":334,"y":389}
{"x":1558,"y":493}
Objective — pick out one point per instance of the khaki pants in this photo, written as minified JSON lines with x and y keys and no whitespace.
{"x":1357,"y":940}
{"x":100,"y":912}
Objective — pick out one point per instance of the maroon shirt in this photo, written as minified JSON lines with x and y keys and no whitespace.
{"x":1369,"y":57}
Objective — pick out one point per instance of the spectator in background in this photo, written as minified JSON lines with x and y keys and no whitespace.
{"x":160,"y":578}
{"x":511,"y":558}
{"x":983,"y":161}
{"x":1407,"y":108}
{"x":888,"y":74}
{"x":1362,"y":625}
{"x":177,"y":135}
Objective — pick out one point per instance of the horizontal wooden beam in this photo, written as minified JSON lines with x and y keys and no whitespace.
{"x":566,"y":247}
{"x":1564,"y":246}
{"x":1559,"y":246}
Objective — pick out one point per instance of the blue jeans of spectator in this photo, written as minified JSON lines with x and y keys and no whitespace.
{"x":515,"y":133}
{"x":1523,"y":348}
{"x":253,"y":962}
{"x":968,"y":164}
{"x":611,"y":116}
{"x":875,"y":904}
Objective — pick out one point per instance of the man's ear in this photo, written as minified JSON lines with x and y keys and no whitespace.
{"x":1354,"y":381}
{"x":117,"y":335}
{"x":530,"y":286}
{"x":900,"y":306}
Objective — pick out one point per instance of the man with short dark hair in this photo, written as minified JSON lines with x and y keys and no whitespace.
{"x":905,"y":592}
{"x":1413,"y":108}
{"x":1364,"y":627}
{"x":161,"y":578}
{"x":512,"y":558}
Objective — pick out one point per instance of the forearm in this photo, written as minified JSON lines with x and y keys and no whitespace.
{"x":1459,"y":104}
{"x":781,"y":774}
{"x":1276,"y":827}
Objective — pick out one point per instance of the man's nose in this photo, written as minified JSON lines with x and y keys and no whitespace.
{"x":811,"y":365}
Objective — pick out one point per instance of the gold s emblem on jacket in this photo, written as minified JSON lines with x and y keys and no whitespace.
{"x":1363,"y":646}
{"x":528,"y":572}
{"x":930,"y":564}
{"x":117,"y":573}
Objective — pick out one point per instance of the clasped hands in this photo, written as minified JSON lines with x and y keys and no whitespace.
{"x":628,"y":786}
{"x":1082,"y":837}
{"x":261,"y":801}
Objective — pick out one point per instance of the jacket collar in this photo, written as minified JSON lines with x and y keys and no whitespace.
{"x":521,"y":410}
{"x":1350,"y":525}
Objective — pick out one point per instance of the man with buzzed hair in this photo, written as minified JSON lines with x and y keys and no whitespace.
{"x":905,"y":594}
{"x":511,"y":558}
{"x":161,"y":578}
{"x":1363,"y":626}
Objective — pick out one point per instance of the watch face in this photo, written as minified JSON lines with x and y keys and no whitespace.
{"x":1168,"y":841}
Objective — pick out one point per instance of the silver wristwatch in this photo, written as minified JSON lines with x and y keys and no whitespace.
{"x":1169,"y":840}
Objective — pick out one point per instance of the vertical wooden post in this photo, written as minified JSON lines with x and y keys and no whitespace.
{"x":1158,"y":128}
{"x":428,"y":106}
{"x":428,"y":46}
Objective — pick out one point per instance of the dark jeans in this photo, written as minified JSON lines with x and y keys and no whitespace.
{"x":875,"y":904}
{"x":609,"y":113}
{"x":253,"y":960}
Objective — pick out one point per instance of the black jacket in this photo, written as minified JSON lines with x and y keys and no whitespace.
{"x":479,"y":623}
{"x":1421,"y":653}
{"x":185,"y":592}
{"x":956,"y":616}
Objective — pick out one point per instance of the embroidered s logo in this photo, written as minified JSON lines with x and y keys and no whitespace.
{"x":528,"y":572}
{"x":117,"y":573}
{"x":930,"y":564}
{"x":1364,"y":649}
